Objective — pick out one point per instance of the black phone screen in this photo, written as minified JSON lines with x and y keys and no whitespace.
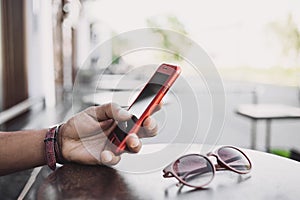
{"x":148,"y":94}
{"x":139,"y":106}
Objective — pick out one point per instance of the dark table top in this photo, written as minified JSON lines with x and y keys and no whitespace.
{"x":272,"y":177}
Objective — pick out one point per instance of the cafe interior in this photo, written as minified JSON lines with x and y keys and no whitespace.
{"x":239,"y":87}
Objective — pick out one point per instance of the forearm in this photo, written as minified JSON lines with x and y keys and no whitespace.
{"x":21,"y":150}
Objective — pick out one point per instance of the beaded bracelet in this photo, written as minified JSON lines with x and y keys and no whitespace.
{"x":52,"y":149}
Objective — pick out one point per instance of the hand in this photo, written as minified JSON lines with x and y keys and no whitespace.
{"x":83,"y":138}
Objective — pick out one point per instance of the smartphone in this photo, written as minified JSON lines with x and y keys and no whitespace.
{"x":145,"y":103}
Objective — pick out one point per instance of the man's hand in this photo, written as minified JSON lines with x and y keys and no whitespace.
{"x":83,"y":138}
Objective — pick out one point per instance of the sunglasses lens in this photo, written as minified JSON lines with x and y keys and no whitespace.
{"x":234,"y":159}
{"x":194,"y":170}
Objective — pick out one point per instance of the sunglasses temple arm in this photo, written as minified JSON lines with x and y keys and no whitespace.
{"x":232,"y":159}
{"x":196,"y":171}
{"x":220,"y":168}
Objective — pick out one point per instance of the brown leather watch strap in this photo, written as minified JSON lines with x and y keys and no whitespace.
{"x":57,"y":147}
{"x":49,"y":147}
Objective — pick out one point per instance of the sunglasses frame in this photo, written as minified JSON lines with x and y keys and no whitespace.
{"x":169,"y":171}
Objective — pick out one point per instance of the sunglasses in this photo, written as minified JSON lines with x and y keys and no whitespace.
{"x":197,"y":170}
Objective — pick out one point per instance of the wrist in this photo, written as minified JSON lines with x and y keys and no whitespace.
{"x":53,"y":147}
{"x":60,"y":158}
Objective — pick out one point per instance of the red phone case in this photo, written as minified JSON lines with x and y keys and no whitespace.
{"x":118,"y":137}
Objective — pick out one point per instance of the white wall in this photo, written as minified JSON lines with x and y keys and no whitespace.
{"x":39,"y":40}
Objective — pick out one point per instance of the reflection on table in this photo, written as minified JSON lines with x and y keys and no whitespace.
{"x":73,"y":181}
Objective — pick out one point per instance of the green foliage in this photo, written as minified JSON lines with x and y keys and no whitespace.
{"x":281,"y":152}
{"x":289,"y":35}
{"x":118,"y":44}
{"x":168,"y":42}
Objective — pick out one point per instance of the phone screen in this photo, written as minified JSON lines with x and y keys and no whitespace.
{"x":148,"y":94}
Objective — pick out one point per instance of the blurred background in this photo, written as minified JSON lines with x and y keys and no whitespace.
{"x":255,"y":46}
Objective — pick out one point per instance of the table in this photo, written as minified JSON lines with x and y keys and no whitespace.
{"x":268,"y":112}
{"x":272,"y":177}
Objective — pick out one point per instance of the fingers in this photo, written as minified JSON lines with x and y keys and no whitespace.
{"x":109,"y":158}
{"x":149,"y":128}
{"x":109,"y":111}
{"x":105,"y":125}
{"x":150,"y":125}
{"x":133,"y":143}
{"x":158,"y":107}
